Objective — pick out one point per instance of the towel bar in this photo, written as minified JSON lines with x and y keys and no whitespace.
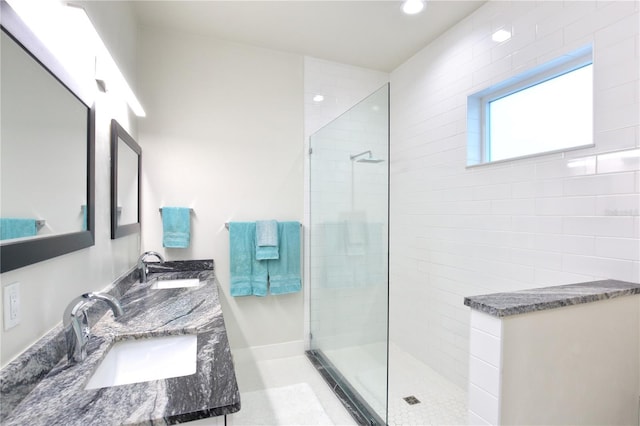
{"x":226,"y":225}
{"x":40,"y":224}
{"x":160,"y":210}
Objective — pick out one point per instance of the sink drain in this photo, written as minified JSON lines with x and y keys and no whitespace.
{"x":411,"y":400}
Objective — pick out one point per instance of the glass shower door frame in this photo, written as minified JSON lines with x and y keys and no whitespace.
{"x":355,"y":210}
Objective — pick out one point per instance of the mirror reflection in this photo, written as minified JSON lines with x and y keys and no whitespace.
{"x":47,"y":199}
{"x":125,"y":182}
{"x":43,"y":141}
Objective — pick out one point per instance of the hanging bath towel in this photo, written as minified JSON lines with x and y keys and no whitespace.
{"x":176,"y":227}
{"x":17,"y":228}
{"x":284,"y":272}
{"x":248,"y":275}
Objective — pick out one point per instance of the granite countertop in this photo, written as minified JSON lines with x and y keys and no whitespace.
{"x":539,"y":299}
{"x":59,"y":397}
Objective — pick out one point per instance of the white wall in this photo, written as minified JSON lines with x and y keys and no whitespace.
{"x":574,"y":365}
{"x":47,"y":287}
{"x":523,"y":223}
{"x":223,"y":135}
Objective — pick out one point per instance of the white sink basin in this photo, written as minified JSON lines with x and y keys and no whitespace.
{"x":181,"y":283}
{"x":155,"y":358}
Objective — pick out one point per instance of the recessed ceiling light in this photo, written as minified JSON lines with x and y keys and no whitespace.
{"x":501,"y":35}
{"x":318,"y":98}
{"x":411,"y":7}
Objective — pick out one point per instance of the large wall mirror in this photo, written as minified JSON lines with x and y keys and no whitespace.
{"x":126,"y":163}
{"x":47,"y":145}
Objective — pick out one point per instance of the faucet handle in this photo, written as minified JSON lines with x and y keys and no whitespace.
{"x":79,"y":303}
{"x":142,"y":265}
{"x":113,"y":303}
{"x":76,"y":323}
{"x":77,"y":332}
{"x":144,"y":255}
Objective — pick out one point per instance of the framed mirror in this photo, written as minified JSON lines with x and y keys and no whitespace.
{"x":48,"y":160}
{"x":126,"y":164}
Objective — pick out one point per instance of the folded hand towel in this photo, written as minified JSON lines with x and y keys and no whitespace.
{"x":284,"y":273}
{"x":266,"y":239}
{"x":176,"y":227}
{"x":356,"y":233}
{"x":248,"y":275}
{"x":17,"y":228}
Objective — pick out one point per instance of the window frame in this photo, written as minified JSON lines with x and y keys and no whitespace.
{"x":479,"y":143}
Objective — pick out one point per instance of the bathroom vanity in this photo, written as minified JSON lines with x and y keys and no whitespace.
{"x":41,"y":387}
{"x":557,"y":355}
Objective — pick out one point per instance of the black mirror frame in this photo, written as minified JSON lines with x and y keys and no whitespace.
{"x":27,"y":252}
{"x":118,"y":132}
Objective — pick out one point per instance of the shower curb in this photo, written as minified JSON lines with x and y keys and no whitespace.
{"x":361,"y":412}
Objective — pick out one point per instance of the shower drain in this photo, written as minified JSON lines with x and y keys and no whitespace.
{"x":411,"y":400}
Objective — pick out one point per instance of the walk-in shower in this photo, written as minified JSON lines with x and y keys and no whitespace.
{"x":349,"y":204}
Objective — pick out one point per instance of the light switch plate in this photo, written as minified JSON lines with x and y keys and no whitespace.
{"x":11,"y":299}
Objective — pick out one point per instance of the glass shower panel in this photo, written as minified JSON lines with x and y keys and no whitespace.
{"x":349,"y":251}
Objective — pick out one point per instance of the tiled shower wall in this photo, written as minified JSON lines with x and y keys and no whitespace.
{"x":546,"y":220}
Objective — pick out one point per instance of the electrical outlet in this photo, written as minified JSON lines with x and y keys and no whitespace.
{"x":11,"y":299}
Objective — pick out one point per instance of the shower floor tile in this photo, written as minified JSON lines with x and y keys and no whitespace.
{"x":441,"y":401}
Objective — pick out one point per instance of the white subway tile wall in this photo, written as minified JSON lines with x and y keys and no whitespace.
{"x":342,"y":86}
{"x":484,"y":368}
{"x":547,"y":220}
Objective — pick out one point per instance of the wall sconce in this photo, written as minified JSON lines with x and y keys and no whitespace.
{"x":68,"y":33}
{"x":107,"y":74}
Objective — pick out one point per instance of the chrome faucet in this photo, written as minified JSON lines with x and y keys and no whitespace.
{"x":142,"y":266}
{"x":76,"y":323}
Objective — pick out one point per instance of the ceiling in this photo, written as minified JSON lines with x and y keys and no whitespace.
{"x":370,"y":34}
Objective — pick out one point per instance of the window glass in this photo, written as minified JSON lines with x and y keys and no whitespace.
{"x":552,"y":115}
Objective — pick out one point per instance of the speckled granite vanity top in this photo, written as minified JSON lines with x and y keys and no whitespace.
{"x":539,"y":299}
{"x":59,"y":397}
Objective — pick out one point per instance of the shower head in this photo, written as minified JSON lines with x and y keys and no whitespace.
{"x":360,"y":158}
{"x":370,"y":160}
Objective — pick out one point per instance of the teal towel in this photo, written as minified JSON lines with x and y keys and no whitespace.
{"x":266,"y":239}
{"x":176,"y":227}
{"x":284,"y":273}
{"x":83,"y":209}
{"x":17,"y":228}
{"x":248,"y":275}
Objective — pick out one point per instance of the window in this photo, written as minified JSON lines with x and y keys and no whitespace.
{"x":548,"y":109}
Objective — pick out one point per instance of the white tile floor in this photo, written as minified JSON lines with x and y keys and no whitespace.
{"x":281,"y":372}
{"x":365,"y":367}
{"x":441,"y":402}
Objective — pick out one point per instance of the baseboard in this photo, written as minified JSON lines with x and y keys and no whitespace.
{"x":268,"y":352}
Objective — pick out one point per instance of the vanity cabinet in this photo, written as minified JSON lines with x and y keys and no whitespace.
{"x":40,"y":387}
